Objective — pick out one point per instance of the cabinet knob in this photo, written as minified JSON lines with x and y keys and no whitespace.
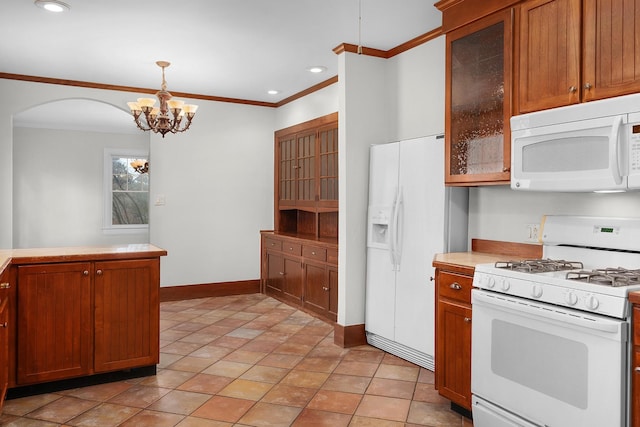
{"x":456,"y":286}
{"x":4,"y":325}
{"x":467,"y":319}
{"x":99,"y":272}
{"x":572,"y":89}
{"x":313,"y":252}
{"x":324,"y":288}
{"x":637,"y":369}
{"x":5,"y":285}
{"x":85,"y":273}
{"x":506,"y":169}
{"x":431,"y":278}
{"x":281,"y":273}
{"x":587,"y":86}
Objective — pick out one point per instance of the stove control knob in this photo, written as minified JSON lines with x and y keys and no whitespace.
{"x":505,"y":285}
{"x":536,"y":291}
{"x":491,"y":282}
{"x":571,"y":298}
{"x":592,"y":302}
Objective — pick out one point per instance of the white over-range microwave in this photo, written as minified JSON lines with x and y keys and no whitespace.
{"x":593,"y":146}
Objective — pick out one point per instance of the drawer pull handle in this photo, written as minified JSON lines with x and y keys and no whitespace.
{"x":273,"y":244}
{"x":456,"y":286}
{"x":5,"y":285}
{"x":290,"y":248}
{"x":467,"y":319}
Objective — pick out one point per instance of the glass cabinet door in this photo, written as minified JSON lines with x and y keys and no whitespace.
{"x":328,"y":165}
{"x":479,"y":102}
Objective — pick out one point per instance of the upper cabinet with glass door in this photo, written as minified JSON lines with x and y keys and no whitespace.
{"x":478,"y":101}
{"x":573,"y":51}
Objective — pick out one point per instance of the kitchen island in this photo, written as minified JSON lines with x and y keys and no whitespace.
{"x":68,"y":313}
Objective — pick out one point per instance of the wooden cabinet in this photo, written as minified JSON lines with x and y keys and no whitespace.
{"x":478,"y":101}
{"x":81,"y":318}
{"x":301,"y":272}
{"x":126,"y":314}
{"x":54,"y":322}
{"x":453,"y":336}
{"x":5,"y":308}
{"x":321,"y":289}
{"x":573,"y":51}
{"x":306,"y":178}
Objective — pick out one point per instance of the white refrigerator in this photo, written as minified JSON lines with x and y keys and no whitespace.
{"x":411,"y":217}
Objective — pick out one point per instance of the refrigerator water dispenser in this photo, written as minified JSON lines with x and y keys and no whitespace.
{"x":378,"y":233}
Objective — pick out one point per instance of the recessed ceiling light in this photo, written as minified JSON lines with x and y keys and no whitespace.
{"x":317,"y":69}
{"x":52,"y":5}
{"x":273,"y":92}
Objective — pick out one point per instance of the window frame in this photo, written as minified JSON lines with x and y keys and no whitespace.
{"x":107,"y":226}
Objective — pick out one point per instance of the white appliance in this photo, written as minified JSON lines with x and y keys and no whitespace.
{"x":411,"y":217}
{"x":592,"y":146}
{"x":551,"y":338}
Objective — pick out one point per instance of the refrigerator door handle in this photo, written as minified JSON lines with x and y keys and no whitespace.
{"x":399,"y":222}
{"x":393,"y":232}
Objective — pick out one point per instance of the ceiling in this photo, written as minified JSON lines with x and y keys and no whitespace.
{"x":225,"y":48}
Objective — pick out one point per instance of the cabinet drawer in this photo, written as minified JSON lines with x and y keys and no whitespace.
{"x":455,"y":286}
{"x":292,"y":248}
{"x":314,"y":252}
{"x":271,"y":243}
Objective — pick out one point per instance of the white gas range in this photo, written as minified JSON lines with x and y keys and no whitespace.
{"x":551,"y":337}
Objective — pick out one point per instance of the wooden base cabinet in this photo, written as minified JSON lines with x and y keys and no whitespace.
{"x":81,"y":318}
{"x":5,"y":289}
{"x":453,"y":337}
{"x":302,"y":272}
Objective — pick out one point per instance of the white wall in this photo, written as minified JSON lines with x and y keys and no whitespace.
{"x":314,"y":105}
{"x":58,"y":197}
{"x":380,"y":101}
{"x":217,"y":184}
{"x":217,"y":180}
{"x":499,"y":213}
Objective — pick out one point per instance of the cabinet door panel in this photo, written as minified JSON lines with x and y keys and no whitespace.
{"x":4,"y":354}
{"x":127,"y":314}
{"x":54,"y":322}
{"x":316,"y":290}
{"x":293,"y":279}
{"x":333,"y":293}
{"x":275,"y":273}
{"x":611,"y":48}
{"x":287,"y":166}
{"x":453,"y":354}
{"x":549,"y":66}
{"x":478,"y":102}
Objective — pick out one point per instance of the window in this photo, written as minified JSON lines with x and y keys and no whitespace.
{"x":126,"y":191}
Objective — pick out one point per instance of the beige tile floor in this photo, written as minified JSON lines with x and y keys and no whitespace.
{"x":249,"y":361}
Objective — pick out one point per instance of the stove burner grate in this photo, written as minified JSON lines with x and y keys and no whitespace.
{"x":607,"y":276}
{"x":539,"y":265}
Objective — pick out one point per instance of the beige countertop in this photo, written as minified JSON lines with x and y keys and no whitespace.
{"x":466,"y":259}
{"x":79,"y":253}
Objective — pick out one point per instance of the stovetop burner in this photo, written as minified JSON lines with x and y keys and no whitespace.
{"x":607,"y":276}
{"x":539,"y":265}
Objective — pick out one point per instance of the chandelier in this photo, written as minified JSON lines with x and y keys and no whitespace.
{"x":140,"y":166}
{"x":158,"y":120}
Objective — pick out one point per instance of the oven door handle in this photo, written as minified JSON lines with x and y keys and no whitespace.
{"x":543,"y":312}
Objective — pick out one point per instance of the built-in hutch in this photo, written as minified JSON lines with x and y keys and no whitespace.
{"x":300,"y":256}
